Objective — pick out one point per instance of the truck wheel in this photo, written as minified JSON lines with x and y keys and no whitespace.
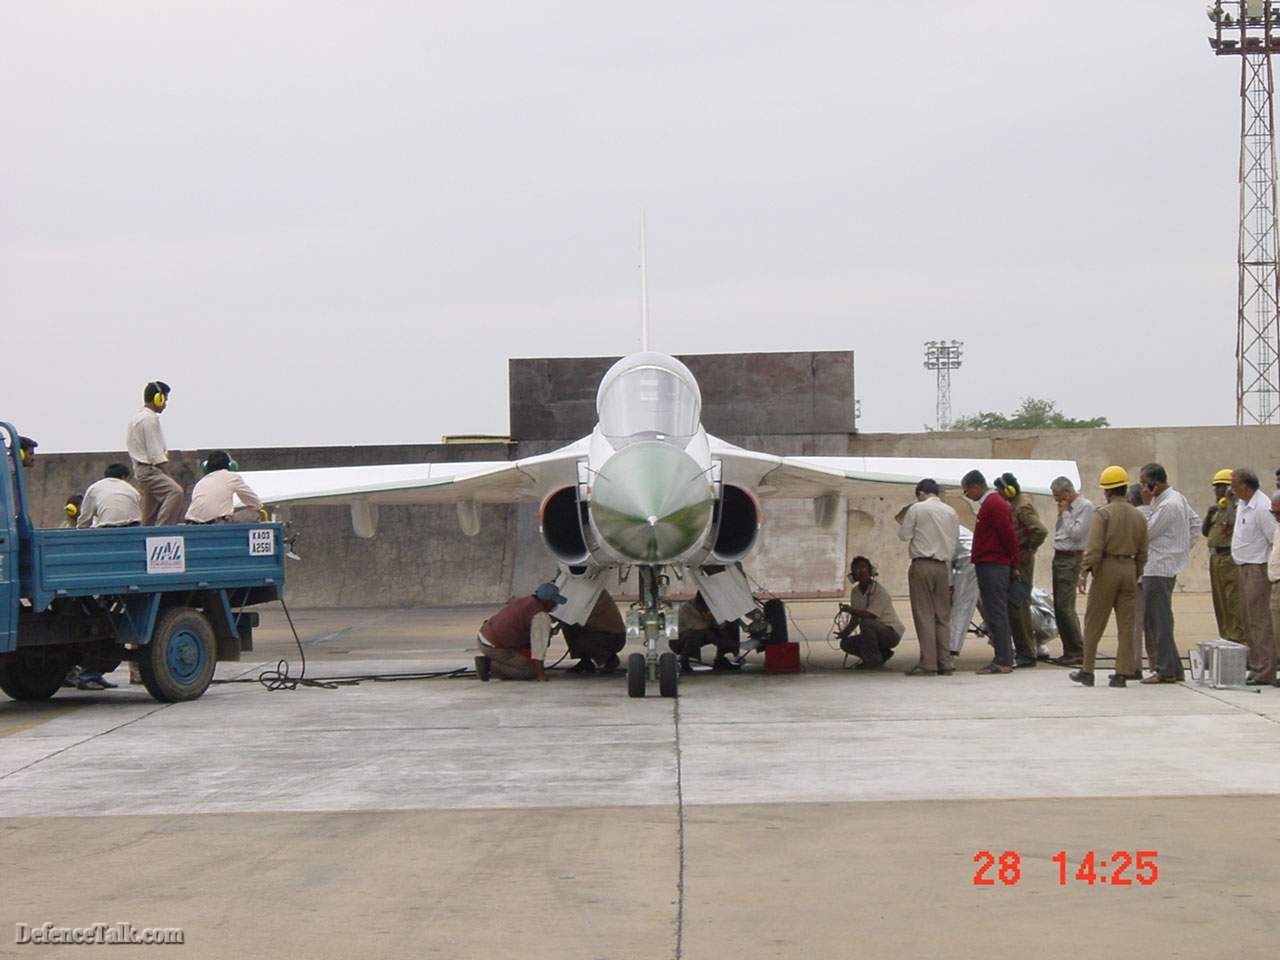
{"x":32,"y":679}
{"x":178,"y":662}
{"x":775,"y":613}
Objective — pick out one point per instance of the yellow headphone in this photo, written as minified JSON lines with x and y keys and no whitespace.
{"x":1223,"y":503}
{"x":72,"y":509}
{"x":158,"y":400}
{"x":22,"y":454}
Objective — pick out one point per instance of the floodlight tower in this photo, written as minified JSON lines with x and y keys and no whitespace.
{"x":1250,"y":30}
{"x":943,"y":356}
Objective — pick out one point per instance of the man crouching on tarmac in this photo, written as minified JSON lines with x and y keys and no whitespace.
{"x":513,"y":642}
{"x":597,"y":642}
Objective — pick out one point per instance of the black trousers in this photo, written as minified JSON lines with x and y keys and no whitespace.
{"x":993,"y":588}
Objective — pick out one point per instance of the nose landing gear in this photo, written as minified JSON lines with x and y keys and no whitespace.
{"x":652,"y":619}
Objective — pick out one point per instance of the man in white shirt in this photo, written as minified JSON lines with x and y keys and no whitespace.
{"x":1251,"y":544}
{"x":161,"y":494}
{"x":1273,"y":574}
{"x":1070,"y":537}
{"x":213,"y":497}
{"x":111,"y":502}
{"x":931,"y":528}
{"x":1172,"y":527}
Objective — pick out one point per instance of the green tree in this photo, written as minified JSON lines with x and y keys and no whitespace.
{"x":1032,"y":414}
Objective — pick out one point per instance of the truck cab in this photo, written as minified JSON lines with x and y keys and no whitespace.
{"x":175,"y":599}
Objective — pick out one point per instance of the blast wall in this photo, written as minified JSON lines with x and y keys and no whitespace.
{"x":421,"y":558}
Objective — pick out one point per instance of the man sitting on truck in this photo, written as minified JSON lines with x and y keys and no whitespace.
{"x":111,"y":501}
{"x":213,"y":496}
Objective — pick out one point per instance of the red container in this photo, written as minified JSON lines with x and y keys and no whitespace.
{"x":782,"y":658}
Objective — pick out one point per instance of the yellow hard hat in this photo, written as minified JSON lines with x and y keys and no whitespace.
{"x":1222,"y":476}
{"x":1113,"y":477}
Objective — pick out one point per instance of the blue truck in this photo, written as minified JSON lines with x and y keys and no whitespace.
{"x":171,"y":598}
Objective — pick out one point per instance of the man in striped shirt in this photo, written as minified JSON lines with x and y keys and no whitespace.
{"x":1172,"y":526}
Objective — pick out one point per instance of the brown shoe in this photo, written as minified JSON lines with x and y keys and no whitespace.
{"x":994,"y":667}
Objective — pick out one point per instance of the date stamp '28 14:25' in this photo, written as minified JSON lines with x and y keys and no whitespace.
{"x":1092,"y":870}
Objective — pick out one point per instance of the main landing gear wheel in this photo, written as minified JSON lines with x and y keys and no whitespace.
{"x":635,"y":675}
{"x":668,"y":674}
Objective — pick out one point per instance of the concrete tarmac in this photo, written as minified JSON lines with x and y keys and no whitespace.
{"x":826,"y":814}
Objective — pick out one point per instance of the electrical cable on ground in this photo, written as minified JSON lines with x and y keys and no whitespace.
{"x":280,"y":677}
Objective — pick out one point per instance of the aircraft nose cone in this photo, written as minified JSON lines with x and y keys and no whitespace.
{"x":651,"y":503}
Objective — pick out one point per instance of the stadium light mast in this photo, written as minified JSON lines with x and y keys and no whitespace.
{"x":1250,"y":30}
{"x":943,"y":356}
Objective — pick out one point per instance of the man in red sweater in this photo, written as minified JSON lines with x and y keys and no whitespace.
{"x":995,"y":559}
{"x":513,"y":642}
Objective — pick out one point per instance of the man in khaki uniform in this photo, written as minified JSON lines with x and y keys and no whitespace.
{"x":1115,"y":556}
{"x":1031,"y":534}
{"x":1224,"y":578}
{"x":599,"y":640}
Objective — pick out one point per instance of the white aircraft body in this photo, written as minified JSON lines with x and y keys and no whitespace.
{"x":649,"y":488}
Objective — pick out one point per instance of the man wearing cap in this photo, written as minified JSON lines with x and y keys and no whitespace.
{"x":1251,"y":541}
{"x":26,"y":451}
{"x":1224,"y":580}
{"x":513,"y":642}
{"x":1115,"y":556}
{"x":161,"y":494}
{"x":214,"y":495}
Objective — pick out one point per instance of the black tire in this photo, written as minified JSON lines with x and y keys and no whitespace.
{"x":178,"y":662}
{"x":636,"y":669}
{"x":33,"y":678}
{"x":775,"y":612}
{"x":668,"y":675}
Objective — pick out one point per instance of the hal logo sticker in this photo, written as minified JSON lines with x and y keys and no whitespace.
{"x":166,"y":555}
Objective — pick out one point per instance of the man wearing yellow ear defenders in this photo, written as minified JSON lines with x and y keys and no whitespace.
{"x":161,"y":494}
{"x":214,"y":495}
{"x":1224,"y":578}
{"x":72,"y":510}
{"x":26,"y":451}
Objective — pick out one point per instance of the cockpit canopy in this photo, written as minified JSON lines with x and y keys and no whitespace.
{"x":649,"y":396}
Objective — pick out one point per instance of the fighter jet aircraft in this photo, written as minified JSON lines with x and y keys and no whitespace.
{"x":648,"y":489}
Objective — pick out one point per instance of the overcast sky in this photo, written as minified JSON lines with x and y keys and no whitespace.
{"x":333,"y":223}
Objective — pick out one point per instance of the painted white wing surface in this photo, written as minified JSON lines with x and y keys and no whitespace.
{"x":502,"y":481}
{"x":800,"y":478}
